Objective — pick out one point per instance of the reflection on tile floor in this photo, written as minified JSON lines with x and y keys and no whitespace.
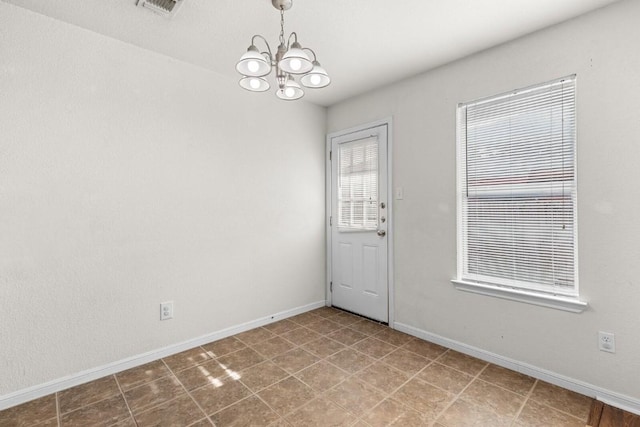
{"x":321,"y":368}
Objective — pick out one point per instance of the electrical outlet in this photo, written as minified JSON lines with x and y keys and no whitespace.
{"x":607,"y":342}
{"x":166,"y":310}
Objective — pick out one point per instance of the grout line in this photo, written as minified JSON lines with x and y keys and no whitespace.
{"x":58,"y":415}
{"x":524,"y":402}
{"x":125,"y":400}
{"x":457,"y":396}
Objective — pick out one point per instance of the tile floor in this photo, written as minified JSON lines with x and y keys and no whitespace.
{"x":321,"y":368}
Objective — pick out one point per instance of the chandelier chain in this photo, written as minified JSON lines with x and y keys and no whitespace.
{"x":281,"y":25}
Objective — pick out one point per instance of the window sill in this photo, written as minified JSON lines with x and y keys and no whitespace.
{"x":572,"y":305}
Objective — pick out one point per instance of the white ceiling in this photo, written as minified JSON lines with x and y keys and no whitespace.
{"x":363,"y":44}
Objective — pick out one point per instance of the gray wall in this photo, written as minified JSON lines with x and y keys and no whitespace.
{"x":127,"y":179}
{"x":602,"y":48}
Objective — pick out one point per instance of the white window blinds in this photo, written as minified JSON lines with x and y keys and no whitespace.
{"x":358,"y":185}
{"x":517,"y":216}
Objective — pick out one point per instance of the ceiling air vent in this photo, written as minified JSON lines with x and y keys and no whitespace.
{"x":163,"y":7}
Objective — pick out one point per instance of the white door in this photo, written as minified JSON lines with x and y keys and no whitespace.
{"x":359,"y":222}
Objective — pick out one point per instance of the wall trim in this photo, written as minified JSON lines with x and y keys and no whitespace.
{"x":40,"y":390}
{"x":618,"y":400}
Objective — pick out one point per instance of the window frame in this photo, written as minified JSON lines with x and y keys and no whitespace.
{"x":525,"y":292}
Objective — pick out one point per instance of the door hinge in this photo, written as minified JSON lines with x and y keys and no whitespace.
{"x":330,"y":153}
{"x":330,"y":221}
{"x":330,"y":286}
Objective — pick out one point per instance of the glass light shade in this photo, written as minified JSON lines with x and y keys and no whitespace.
{"x":295,"y":61}
{"x":291,"y":91}
{"x":316,"y":78}
{"x":253,"y":64}
{"x":254,"y":84}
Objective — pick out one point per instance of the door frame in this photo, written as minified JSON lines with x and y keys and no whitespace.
{"x":388,"y":121}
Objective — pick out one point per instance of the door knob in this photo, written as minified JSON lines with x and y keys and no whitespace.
{"x":382,"y":233}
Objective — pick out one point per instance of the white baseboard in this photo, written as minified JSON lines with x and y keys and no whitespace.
{"x":618,"y":400}
{"x":27,"y":394}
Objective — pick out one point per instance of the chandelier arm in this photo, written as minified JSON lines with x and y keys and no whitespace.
{"x":295,"y":39}
{"x":253,"y":42}
{"x":312,"y":52}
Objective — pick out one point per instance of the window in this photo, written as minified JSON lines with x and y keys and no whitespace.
{"x":517,"y":191}
{"x":358,"y":185}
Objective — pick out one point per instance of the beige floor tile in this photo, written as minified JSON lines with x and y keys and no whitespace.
{"x":142,"y":374}
{"x":254,"y":336}
{"x":53,"y":422}
{"x":213,"y":398}
{"x":374,"y":347}
{"x":153,"y":394}
{"x":356,"y":396}
{"x":273,"y":347}
{"x":280,"y":423}
{"x":425,"y":348}
{"x":393,"y":337}
{"x":300,"y":335}
{"x":105,"y":412}
{"x":406,"y":361}
{"x":295,"y":360}
{"x":323,"y":347}
{"x":321,"y":413}
{"x":383,"y":377}
{"x":181,"y":411}
{"x":281,"y":326}
{"x":424,"y":398}
{"x":86,"y":394}
{"x":462,"y":362}
{"x":344,"y":318}
{"x":304,"y":318}
{"x":368,"y":327}
{"x":262,"y":376}
{"x":393,"y":413}
{"x":535,"y":414}
{"x":30,"y":413}
{"x":325,"y":311}
{"x":248,"y":412}
{"x":562,"y":399}
{"x":223,"y":346}
{"x":210,"y":372}
{"x":445,"y":378}
{"x":506,"y":378}
{"x":240,"y":360}
{"x":350,"y":360}
{"x":323,"y":326}
{"x":502,"y":402}
{"x":321,"y":376}
{"x":187,"y":359}
{"x":202,"y":423}
{"x":287,"y":395}
{"x":346,"y":336}
{"x":465,"y":414}
{"x":129,"y":422}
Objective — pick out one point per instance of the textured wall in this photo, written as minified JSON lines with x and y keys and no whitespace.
{"x":127,"y":179}
{"x":602,"y":49}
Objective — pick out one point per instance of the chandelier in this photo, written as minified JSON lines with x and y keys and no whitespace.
{"x":290,"y":60}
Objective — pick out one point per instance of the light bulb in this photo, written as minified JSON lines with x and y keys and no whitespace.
{"x":254,"y":83}
{"x":295,"y":64}
{"x":315,"y":79}
{"x":253,"y":66}
{"x":289,"y":92}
